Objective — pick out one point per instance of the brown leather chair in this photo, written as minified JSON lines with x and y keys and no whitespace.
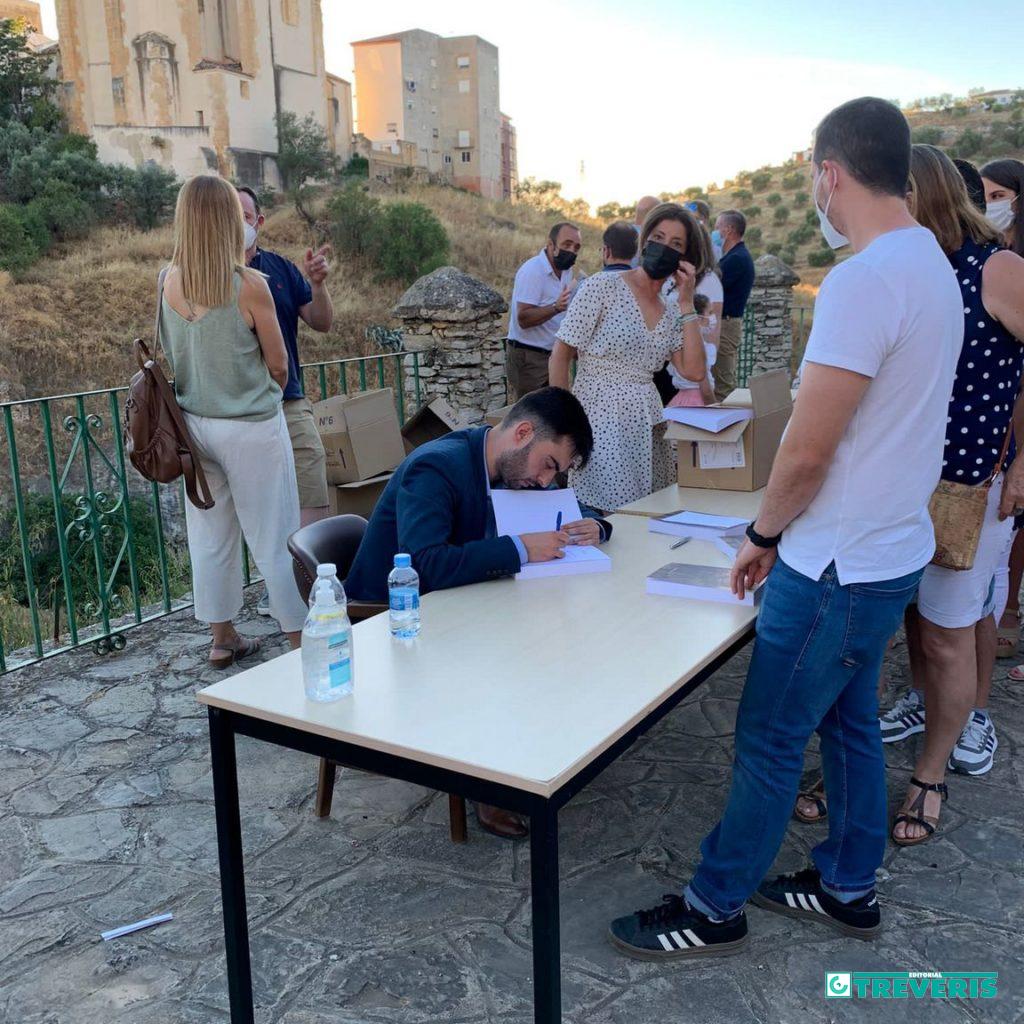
{"x":337,"y":540}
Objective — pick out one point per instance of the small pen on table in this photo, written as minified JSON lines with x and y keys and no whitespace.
{"x":679,"y":543}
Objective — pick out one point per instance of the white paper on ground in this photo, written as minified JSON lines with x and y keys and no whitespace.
{"x":710,"y":418}
{"x":721,"y":454}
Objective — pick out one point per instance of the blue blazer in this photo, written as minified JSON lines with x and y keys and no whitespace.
{"x":435,"y":508}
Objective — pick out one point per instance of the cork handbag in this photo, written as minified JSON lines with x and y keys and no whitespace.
{"x":958,"y":513}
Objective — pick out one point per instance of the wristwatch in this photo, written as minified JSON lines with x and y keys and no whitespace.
{"x":762,"y":542}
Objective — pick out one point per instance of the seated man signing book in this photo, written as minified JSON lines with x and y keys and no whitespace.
{"x":437,"y":508}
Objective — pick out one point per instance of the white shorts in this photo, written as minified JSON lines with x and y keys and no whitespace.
{"x":954,"y":599}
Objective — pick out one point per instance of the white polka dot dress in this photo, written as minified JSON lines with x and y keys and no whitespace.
{"x":617,"y":359}
{"x":987,"y":380}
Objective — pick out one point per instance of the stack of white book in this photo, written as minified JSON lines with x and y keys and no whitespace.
{"x":699,"y":525}
{"x":700,"y":582}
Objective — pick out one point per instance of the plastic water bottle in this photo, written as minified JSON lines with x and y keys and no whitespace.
{"x":329,"y":571}
{"x":404,"y":598}
{"x":326,"y":646}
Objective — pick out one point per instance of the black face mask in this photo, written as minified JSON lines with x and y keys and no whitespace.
{"x":563,"y":259}
{"x":659,"y":261}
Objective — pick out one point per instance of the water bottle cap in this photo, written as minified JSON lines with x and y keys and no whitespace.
{"x":403,"y":561}
{"x":326,"y":570}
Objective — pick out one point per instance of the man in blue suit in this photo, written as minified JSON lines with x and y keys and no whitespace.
{"x":437,"y":508}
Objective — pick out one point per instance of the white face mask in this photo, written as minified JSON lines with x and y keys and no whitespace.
{"x":250,"y":236}
{"x":1000,"y":213}
{"x":833,"y":236}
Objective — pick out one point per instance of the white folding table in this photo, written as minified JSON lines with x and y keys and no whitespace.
{"x":516,"y":694}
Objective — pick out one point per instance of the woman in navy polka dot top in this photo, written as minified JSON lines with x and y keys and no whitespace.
{"x":952,"y":634}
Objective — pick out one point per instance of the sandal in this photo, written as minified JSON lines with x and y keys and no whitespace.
{"x":914,"y":814}
{"x":1016,"y":674}
{"x":1007,"y":640}
{"x":815,"y":795}
{"x":245,"y":648}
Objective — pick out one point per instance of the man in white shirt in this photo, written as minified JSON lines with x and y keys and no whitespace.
{"x":842,"y":536}
{"x":540,"y":296}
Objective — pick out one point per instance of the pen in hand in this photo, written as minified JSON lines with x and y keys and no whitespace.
{"x":558,"y":522}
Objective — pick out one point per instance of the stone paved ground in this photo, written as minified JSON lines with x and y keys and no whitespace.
{"x":106,"y":816}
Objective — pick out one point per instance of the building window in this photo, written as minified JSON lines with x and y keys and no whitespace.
{"x":462,"y":62}
{"x":447,"y":158}
{"x":243,"y":89}
{"x":464,"y":142}
{"x":200,"y":120}
{"x":392,"y":127}
{"x":219,"y":24}
{"x":336,"y":111}
{"x":290,"y":11}
{"x":466,"y":156}
{"x":410,"y":85}
{"x":435,"y":133}
{"x":463,"y":85}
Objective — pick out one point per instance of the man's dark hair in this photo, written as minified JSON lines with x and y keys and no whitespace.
{"x":735,"y":221}
{"x":972,"y":179}
{"x":555,"y":412}
{"x":871,"y":139}
{"x":252,"y":195}
{"x":621,"y":239}
{"x":554,"y":232}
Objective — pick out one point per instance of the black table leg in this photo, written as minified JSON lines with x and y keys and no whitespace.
{"x":232,"y":879}
{"x":547,"y":968}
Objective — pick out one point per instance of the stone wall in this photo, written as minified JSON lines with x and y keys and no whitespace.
{"x":457,"y":326}
{"x":771,"y":307}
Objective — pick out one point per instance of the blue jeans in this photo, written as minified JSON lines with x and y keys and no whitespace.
{"x":815,"y":666}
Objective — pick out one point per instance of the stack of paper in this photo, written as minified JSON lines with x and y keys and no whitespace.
{"x":701,"y":582}
{"x":730,"y":546}
{"x":711,"y":418}
{"x":520,"y":512}
{"x":698,"y":524}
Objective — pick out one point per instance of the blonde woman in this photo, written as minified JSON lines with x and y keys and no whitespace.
{"x":220,"y":332}
{"x":621,"y":331}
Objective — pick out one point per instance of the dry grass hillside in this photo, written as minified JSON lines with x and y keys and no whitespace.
{"x":67,"y":324}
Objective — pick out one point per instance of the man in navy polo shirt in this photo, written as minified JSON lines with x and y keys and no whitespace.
{"x":296,"y":294}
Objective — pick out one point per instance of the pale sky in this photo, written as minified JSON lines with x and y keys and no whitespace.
{"x":658,"y":95}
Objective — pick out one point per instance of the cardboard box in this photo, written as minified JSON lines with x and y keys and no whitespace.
{"x":358,"y":498}
{"x":361,"y":435}
{"x":495,"y":418}
{"x":753,"y":442}
{"x":431,"y":422}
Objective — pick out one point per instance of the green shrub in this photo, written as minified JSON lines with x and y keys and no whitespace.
{"x":753,"y":236}
{"x":64,"y":212}
{"x":751,"y":212}
{"x":788,"y":255}
{"x":927,"y":135}
{"x":800,"y":198}
{"x":353,"y":215}
{"x":357,"y":167}
{"x":411,"y":242}
{"x":742,"y":194}
{"x":773,"y":199}
{"x":791,"y":181}
{"x":760,"y":180}
{"x":146,"y":195}
{"x":821,"y":257}
{"x":969,"y":143}
{"x":800,"y":236}
{"x":781,"y":214}
{"x":811,"y":216}
{"x":694,"y":192}
{"x":23,"y":237}
{"x":773,"y":248}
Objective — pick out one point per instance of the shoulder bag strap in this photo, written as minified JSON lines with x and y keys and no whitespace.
{"x":161,"y":278}
{"x":1002,"y":455}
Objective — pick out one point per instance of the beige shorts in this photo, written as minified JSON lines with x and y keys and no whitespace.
{"x":308,"y":449}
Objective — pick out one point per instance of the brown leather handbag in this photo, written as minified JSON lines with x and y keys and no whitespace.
{"x":156,"y":436}
{"x":958,"y":514}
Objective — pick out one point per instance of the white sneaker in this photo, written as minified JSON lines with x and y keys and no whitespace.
{"x":974,"y":753}
{"x":903,"y":719}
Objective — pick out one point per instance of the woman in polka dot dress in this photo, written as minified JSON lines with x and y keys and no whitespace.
{"x":952,"y":636}
{"x":621,"y":331}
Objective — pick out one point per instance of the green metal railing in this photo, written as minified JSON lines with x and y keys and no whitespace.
{"x":88,"y":549}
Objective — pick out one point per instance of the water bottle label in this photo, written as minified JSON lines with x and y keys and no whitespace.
{"x":339,"y":666}
{"x":405,"y":600}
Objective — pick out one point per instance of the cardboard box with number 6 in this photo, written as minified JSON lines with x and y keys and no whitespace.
{"x":360,"y":434}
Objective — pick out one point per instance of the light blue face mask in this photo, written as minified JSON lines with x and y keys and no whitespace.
{"x":716,"y":238}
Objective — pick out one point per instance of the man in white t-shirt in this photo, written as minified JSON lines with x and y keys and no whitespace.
{"x":541,"y":294}
{"x":842,"y":536}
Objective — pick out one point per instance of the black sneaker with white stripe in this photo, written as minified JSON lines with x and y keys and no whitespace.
{"x":801,"y":895}
{"x":673,"y":930}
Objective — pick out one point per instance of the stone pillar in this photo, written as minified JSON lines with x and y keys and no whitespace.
{"x":456,"y":324}
{"x":771,"y":306}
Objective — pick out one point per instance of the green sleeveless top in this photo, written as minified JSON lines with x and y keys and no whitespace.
{"x":217,"y":363}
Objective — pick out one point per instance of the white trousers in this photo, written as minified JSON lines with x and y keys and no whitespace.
{"x":251,"y":473}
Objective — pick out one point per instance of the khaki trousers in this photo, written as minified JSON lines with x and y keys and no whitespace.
{"x":728,"y":351}
{"x":526,"y":369}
